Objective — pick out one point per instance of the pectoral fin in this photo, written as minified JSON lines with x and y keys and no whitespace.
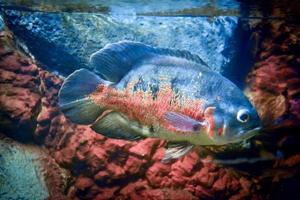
{"x":183,"y":122}
{"x":176,"y":151}
{"x":115,"y":125}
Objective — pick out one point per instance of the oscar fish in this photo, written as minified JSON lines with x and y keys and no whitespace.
{"x":137,"y":91}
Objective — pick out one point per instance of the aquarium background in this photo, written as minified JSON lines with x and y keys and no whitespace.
{"x":254,"y":44}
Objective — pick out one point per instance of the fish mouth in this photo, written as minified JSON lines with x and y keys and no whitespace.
{"x":250,"y":133}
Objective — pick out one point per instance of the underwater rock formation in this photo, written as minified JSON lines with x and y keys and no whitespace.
{"x":103,"y":168}
{"x":20,"y":174}
{"x":275,"y":79}
{"x":27,"y":172}
{"x":75,"y":36}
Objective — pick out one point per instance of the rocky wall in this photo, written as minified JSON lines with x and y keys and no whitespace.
{"x":70,"y":38}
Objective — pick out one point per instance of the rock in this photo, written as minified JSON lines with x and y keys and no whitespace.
{"x":27,"y":172}
{"x":167,"y":194}
{"x":200,"y":191}
{"x":133,"y":190}
{"x":106,"y":193}
{"x":159,"y":154}
{"x":114,"y":145}
{"x":145,"y":148}
{"x":116,"y":172}
{"x":101,"y":176}
{"x":187,"y":164}
{"x":220,"y":184}
{"x":274,"y":81}
{"x":183,"y":168}
{"x":290,"y":162}
{"x":97,"y":158}
{"x":134,"y":165}
{"x":85,"y":188}
{"x":84,"y":183}
{"x":157,"y":175}
{"x":216,"y":40}
{"x":271,"y":107}
{"x":295,"y":107}
{"x":205,"y":177}
{"x":19,"y":94}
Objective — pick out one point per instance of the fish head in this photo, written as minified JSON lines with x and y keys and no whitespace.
{"x":234,"y":119}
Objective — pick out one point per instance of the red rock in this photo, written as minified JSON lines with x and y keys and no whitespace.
{"x":270,"y":106}
{"x":244,"y":192}
{"x":114,"y":145}
{"x":203,"y":193}
{"x":88,"y":193}
{"x":157,"y":174}
{"x":289,"y":162}
{"x":101,"y":176}
{"x":167,"y":194}
{"x":11,"y":63}
{"x":184,"y":167}
{"x":159,"y":154}
{"x":83,"y":183}
{"x":72,"y":193}
{"x":96,"y":158}
{"x":199,"y":191}
{"x":274,"y":83}
{"x":106,"y":193}
{"x":134,"y":165}
{"x":144,"y":148}
{"x":221,"y":183}
{"x":133,"y":190}
{"x":46,"y":113}
{"x":188,"y":163}
{"x":116,"y":172}
{"x":205,"y":177}
{"x":295,"y":107}
{"x":31,"y":69}
{"x":20,"y":106}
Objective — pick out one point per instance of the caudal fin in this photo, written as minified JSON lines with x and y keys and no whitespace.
{"x":74,"y":100}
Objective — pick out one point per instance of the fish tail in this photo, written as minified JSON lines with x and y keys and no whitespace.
{"x":74,"y":99}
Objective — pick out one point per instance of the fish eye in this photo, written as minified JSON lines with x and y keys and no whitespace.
{"x":243,"y":116}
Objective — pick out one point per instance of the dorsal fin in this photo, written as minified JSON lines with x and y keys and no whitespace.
{"x":116,"y":59}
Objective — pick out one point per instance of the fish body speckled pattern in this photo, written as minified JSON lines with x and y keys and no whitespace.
{"x":142,"y":91}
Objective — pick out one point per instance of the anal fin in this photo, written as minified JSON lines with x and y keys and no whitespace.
{"x":175,"y":151}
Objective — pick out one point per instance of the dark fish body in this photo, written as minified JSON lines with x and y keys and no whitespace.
{"x":131,"y":103}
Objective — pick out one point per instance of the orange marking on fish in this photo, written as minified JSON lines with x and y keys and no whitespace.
{"x":221,"y":131}
{"x":142,"y":106}
{"x":209,"y":116}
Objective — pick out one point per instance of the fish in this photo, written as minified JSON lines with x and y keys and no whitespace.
{"x":133,"y":91}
